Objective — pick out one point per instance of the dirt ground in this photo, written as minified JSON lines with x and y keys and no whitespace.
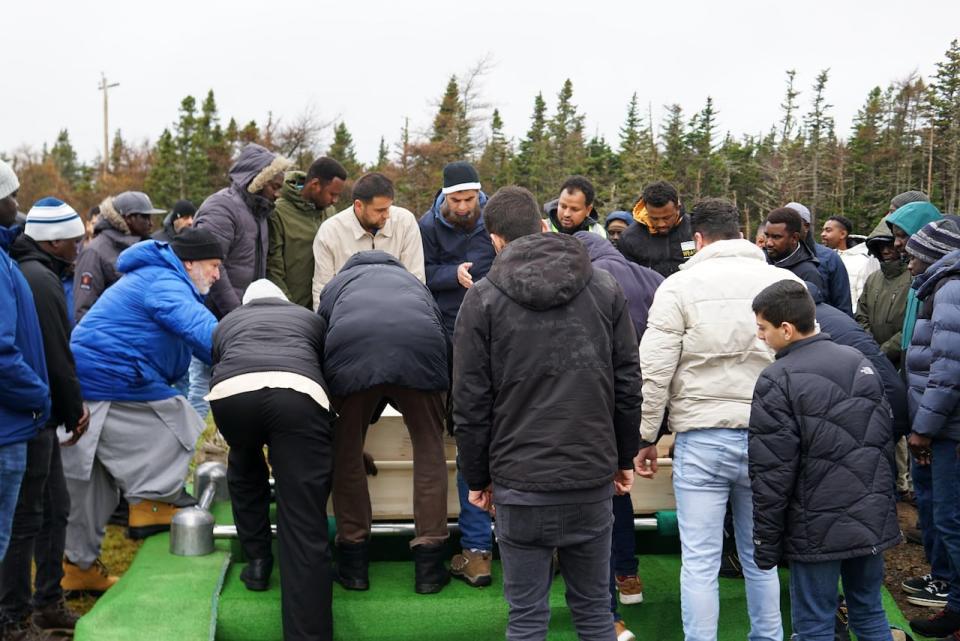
{"x":906,"y":561}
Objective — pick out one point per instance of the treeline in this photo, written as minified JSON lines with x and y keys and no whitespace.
{"x":905,"y":136}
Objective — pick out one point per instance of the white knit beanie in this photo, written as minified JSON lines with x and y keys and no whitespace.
{"x":8,"y":180}
{"x":52,"y":219}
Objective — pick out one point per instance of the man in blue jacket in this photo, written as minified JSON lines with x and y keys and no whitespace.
{"x":24,"y":393}
{"x":130,"y":348}
{"x":835,"y":279}
{"x":456,"y":253}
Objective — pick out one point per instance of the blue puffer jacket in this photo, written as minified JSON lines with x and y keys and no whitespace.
{"x":24,"y":393}
{"x":383,"y":328}
{"x":136,"y":340}
{"x":846,"y":331}
{"x":637,"y":282}
{"x":445,"y":247}
{"x":933,"y":360}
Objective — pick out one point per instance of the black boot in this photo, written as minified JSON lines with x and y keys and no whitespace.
{"x":256,"y":576}
{"x":353,"y":564}
{"x":431,"y":573}
{"x":941,"y":624}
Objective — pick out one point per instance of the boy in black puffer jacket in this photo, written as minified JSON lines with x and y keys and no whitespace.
{"x":821,"y":467}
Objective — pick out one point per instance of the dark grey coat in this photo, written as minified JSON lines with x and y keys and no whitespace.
{"x":821,"y":457}
{"x":239,"y":221}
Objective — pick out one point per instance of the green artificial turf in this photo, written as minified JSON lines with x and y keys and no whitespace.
{"x":162,"y":597}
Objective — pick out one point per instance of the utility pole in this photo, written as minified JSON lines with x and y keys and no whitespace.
{"x":106,"y":125}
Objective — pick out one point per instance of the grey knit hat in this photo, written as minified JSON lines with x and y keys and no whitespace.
{"x":934,"y":241}
{"x":906,"y":197}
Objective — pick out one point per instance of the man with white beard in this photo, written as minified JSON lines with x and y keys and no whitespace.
{"x":133,"y":344}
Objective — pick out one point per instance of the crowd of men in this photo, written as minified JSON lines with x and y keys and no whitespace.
{"x":556,"y":344}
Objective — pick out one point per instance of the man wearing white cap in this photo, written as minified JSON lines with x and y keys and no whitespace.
{"x":45,"y":251}
{"x":124,"y":221}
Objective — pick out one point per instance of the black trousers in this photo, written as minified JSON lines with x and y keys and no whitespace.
{"x":300,"y":437}
{"x":39,"y":531}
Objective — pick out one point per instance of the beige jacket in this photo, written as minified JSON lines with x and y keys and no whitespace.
{"x":700,"y":356}
{"x":341,"y":236}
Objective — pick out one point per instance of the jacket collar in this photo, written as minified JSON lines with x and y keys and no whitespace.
{"x":822,"y":336}
{"x":358,"y":230}
{"x":734,"y":248}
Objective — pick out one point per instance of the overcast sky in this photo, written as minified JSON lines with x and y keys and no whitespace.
{"x":374,"y":63}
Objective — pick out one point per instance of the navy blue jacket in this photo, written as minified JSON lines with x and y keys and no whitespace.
{"x":835,"y":279}
{"x":24,"y":391}
{"x":383,"y":328}
{"x":446,"y":247}
{"x":846,"y":331}
{"x":933,"y":359}
{"x":638,"y":283}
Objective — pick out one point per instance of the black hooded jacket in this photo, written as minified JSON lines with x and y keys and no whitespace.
{"x":43,"y":272}
{"x":546,"y":373}
{"x":803,"y":263}
{"x":821,"y":457}
{"x":663,"y":253}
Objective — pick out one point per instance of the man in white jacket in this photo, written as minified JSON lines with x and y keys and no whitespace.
{"x":858,"y":261}
{"x":700,"y":359}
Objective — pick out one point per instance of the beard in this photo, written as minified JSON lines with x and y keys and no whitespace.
{"x":201,"y":282}
{"x":466,"y":221}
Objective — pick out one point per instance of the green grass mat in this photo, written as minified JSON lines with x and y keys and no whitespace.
{"x":162,"y":597}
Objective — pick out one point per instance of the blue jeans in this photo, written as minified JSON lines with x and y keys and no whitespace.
{"x":710,"y":469}
{"x":199,"y":386}
{"x":945,"y":468}
{"x":13,"y":463}
{"x":932,"y":545}
{"x":475,"y":529}
{"x":580,"y":533}
{"x":813,"y":598}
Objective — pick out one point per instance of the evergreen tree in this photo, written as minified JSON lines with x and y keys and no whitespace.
{"x":343,"y":151}
{"x":819,"y":128}
{"x":676,"y":154}
{"x":600,"y":166}
{"x":530,"y":166}
{"x":64,"y":158}
{"x":944,"y":107}
{"x":566,"y":140}
{"x":163,"y":181}
{"x":495,"y":166}
{"x":451,"y":129}
{"x":383,"y":155}
{"x":636,"y":158}
{"x":867,"y":191}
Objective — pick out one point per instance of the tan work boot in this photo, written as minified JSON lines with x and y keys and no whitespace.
{"x":623,"y":634}
{"x":149,"y":517}
{"x":472,"y":567}
{"x":94,"y":580}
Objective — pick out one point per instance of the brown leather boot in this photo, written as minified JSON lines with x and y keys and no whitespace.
{"x":94,"y":580}
{"x":56,"y":617}
{"x":472,"y":567}
{"x":149,"y":517}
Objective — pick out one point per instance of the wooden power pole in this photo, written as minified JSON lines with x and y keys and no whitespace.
{"x":104,"y":87}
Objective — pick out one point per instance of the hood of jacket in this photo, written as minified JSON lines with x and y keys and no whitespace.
{"x":913,"y":216}
{"x":599,"y":247}
{"x":25,"y":248}
{"x":8,"y":235}
{"x":253,"y":159}
{"x":946,"y":267}
{"x":640,"y":215}
{"x":371,"y":257}
{"x":110,"y":218}
{"x":550,"y":209}
{"x":542,"y":271}
{"x":439,"y":200}
{"x":152,"y":253}
{"x":801,"y":254}
{"x":292,"y":190}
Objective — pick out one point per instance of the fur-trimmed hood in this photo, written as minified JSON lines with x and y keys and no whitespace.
{"x":112,"y":217}
{"x":255,"y":166}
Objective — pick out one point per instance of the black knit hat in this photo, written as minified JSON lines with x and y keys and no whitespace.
{"x":460,"y":176}
{"x":196,"y":244}
{"x":182,"y":209}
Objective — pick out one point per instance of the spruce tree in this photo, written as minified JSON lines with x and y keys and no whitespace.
{"x":342,"y":150}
